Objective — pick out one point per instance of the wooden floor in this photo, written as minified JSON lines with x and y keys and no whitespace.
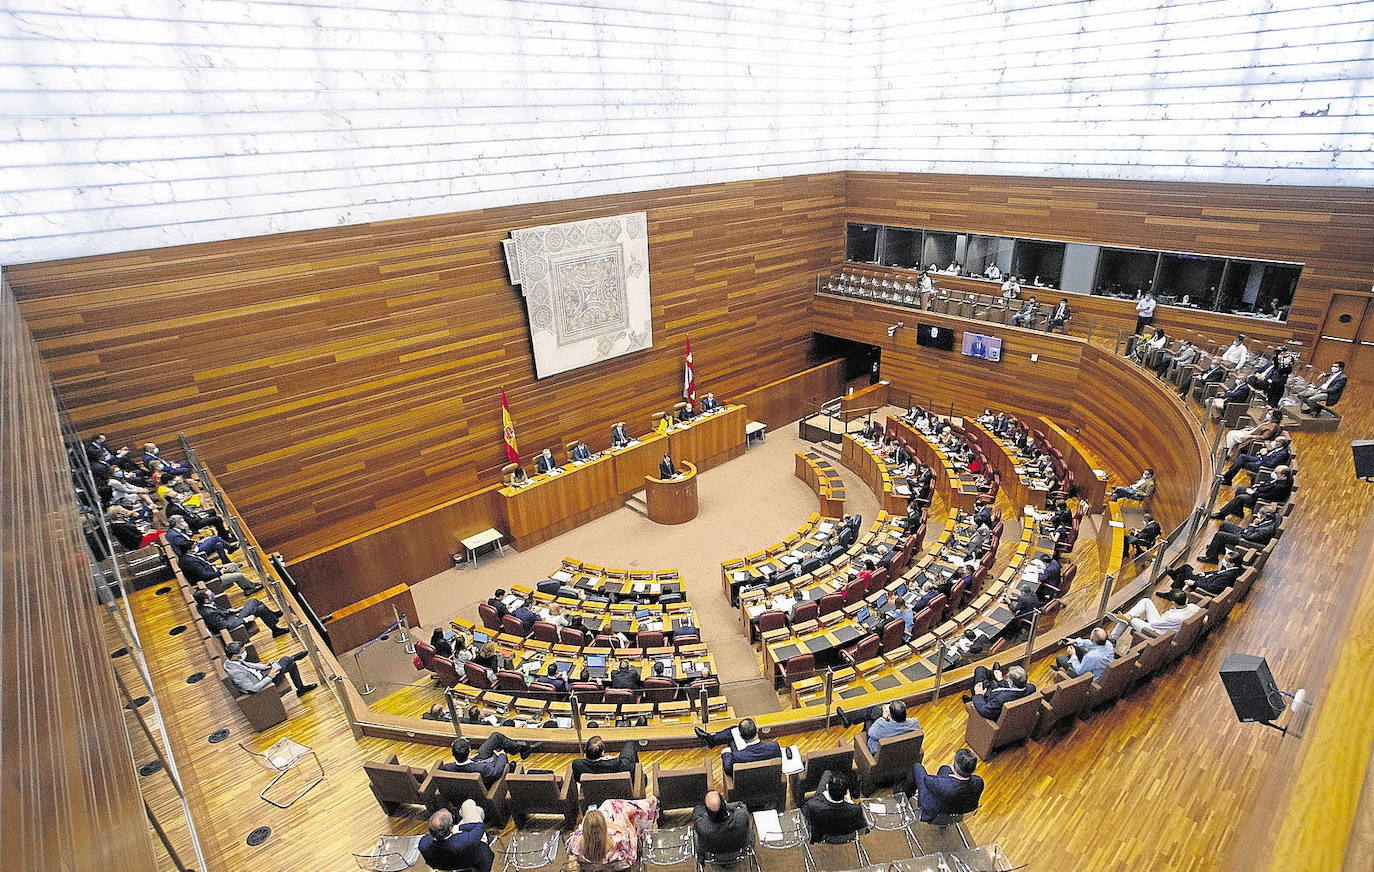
{"x":1166,"y":779}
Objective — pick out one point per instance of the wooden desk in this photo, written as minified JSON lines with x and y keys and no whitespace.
{"x":817,"y":472}
{"x":1088,"y":473}
{"x":1019,"y":489}
{"x":962,"y":493}
{"x":873,"y":470}
{"x":863,"y":400}
{"x":672,"y":501}
{"x":553,"y":504}
{"x":710,"y":440}
{"x":633,"y":462}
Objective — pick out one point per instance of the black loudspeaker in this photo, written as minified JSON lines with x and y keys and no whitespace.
{"x":1363,"y":452}
{"x":1253,"y":693}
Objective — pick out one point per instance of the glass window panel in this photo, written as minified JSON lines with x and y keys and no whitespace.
{"x":986,"y":251}
{"x":1038,"y":263}
{"x":861,"y":243}
{"x":901,"y":247}
{"x":1080,"y":263}
{"x":1125,"y":272}
{"x":1189,"y":279}
{"x":938,"y":251}
{"x":1258,"y":288}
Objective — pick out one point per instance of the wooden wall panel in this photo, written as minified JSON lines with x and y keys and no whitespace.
{"x":341,"y":379}
{"x":788,"y":399}
{"x":69,"y":798}
{"x":1127,"y":417}
{"x":1328,"y":229}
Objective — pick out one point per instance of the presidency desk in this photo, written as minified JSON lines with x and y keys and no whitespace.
{"x":554,"y":504}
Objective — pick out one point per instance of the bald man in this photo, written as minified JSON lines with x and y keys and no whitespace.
{"x":721,"y":827}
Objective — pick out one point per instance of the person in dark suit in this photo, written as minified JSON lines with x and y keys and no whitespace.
{"x":849,"y":530}
{"x":721,"y":827}
{"x":179,"y":538}
{"x":217,"y":619}
{"x":949,"y":791}
{"x":626,"y":677}
{"x":218,"y":579}
{"x":992,"y":690}
{"x":1186,"y":577}
{"x":1275,"y":379}
{"x":686,"y":414}
{"x":555,"y":678}
{"x":1143,"y":539}
{"x":620,"y":437}
{"x":1276,"y":490}
{"x":197,"y":521}
{"x":1024,"y":317}
{"x":1061,"y":314}
{"x":1239,"y":392}
{"x":581,"y":452}
{"x":597,"y":763}
{"x":1276,"y":453}
{"x":753,"y":750}
{"x":708,"y":403}
{"x":666,"y":468}
{"x":526,"y":613}
{"x":446,"y":847}
{"x":1050,"y":577}
{"x":498,"y":601}
{"x":1262,"y":527}
{"x":545,"y":463}
{"x":1326,"y":392}
{"x":831,"y":816}
{"x":492,"y":759}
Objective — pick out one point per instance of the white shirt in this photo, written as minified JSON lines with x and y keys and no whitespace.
{"x":1236,"y":354}
{"x":1146,"y":307}
{"x":1010,"y":289}
{"x":992,"y":271}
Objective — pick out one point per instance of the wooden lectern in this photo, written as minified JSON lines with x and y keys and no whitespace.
{"x":673,"y":500}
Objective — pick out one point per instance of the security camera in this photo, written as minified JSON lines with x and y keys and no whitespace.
{"x":892,"y":331}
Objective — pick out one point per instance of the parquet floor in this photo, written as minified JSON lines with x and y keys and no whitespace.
{"x":1165,"y":779}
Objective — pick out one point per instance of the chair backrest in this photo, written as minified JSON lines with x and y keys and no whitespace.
{"x":923,"y":621}
{"x":541,"y":689}
{"x":867,"y":649}
{"x":799,"y":667}
{"x":490,"y":619}
{"x":1155,"y":652}
{"x":570,"y":636}
{"x":458,"y":786}
{"x":425,"y":652}
{"x":808,"y":611}
{"x":599,"y":787}
{"x":893,"y":635}
{"x":658,"y":690}
{"x":535,"y":793}
{"x":854,"y":591}
{"x":772,"y":620}
{"x":1187,"y":635}
{"x":1066,"y":579}
{"x":395,"y":782}
{"x":681,"y":788}
{"x":474,"y":675}
{"x":1018,"y":718}
{"x":1063,"y":701}
{"x":588,"y":692}
{"x":651,"y":638}
{"x":1118,"y":676}
{"x":509,"y":680}
{"x":512,"y":625}
{"x":445,"y":671}
{"x":896,"y":755}
{"x":759,"y":784}
{"x":619,"y":696}
{"x":544,"y":631}
{"x":837,"y":759}
{"x":831,"y":602}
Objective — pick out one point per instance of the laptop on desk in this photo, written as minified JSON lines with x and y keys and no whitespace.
{"x":596,"y":666}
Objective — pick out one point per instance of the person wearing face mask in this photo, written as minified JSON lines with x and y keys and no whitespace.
{"x":151,"y":452}
{"x":1326,"y":392}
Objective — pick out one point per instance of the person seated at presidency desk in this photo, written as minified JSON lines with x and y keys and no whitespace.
{"x":709,"y":404}
{"x":580,"y":452}
{"x":685,"y":415}
{"x":544,"y":464}
{"x":666,"y":469}
{"x":620,"y":437}
{"x":743,"y":744}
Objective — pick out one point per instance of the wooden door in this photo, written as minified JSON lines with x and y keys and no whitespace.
{"x":1348,"y":334}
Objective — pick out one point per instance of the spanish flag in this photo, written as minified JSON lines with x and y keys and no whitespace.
{"x":508,"y":430}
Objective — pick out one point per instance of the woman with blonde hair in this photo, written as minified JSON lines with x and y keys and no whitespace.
{"x":608,"y":839}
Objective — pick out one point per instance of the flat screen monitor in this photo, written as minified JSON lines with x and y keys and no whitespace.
{"x":934,"y":337}
{"x":982,"y":347}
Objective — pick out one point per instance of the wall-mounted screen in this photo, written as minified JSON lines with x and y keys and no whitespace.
{"x":934,"y":337}
{"x":982,"y":347}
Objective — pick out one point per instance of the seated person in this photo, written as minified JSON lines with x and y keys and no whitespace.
{"x":1276,"y":453}
{"x":597,"y":763}
{"x":251,"y":676}
{"x":441,"y":643}
{"x":1140,"y":491}
{"x":663,"y":423}
{"x":544,"y":463}
{"x":1276,"y":490}
{"x":1186,"y":354}
{"x":464,"y":846}
{"x":686,"y":414}
{"x":709,"y":404}
{"x":1262,"y":527}
{"x":1060,"y":315}
{"x":559,"y":680}
{"x":609,"y":837}
{"x":881,"y":722}
{"x":1142,"y":539}
{"x":581,"y":453}
{"x":1185,"y":577}
{"x":971,"y":643}
{"x":218,"y":579}
{"x":992,"y":690}
{"x":902,"y":612}
{"x":666,"y":469}
{"x":1326,"y":392}
{"x":721,"y":827}
{"x":832,"y":815}
{"x":1144,"y":617}
{"x":178,"y":506}
{"x":1085,"y":655}
{"x":1264,"y":431}
{"x":620,"y":437}
{"x":179,"y":538}
{"x":526,"y":613}
{"x":217,"y":619}
{"x":492,"y":759}
{"x":518,"y":477}
{"x":151,"y":453}
{"x":1027,"y":314}
{"x":498,"y":601}
{"x":1238,"y":392}
{"x":949,"y":791}
{"x":626,"y":677}
{"x":743,"y":744}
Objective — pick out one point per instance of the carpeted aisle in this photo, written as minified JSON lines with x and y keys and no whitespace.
{"x":745,"y":505}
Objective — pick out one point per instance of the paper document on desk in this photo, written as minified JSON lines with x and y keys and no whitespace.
{"x":767,"y":825}
{"x":561,"y":576}
{"x":791,"y":760}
